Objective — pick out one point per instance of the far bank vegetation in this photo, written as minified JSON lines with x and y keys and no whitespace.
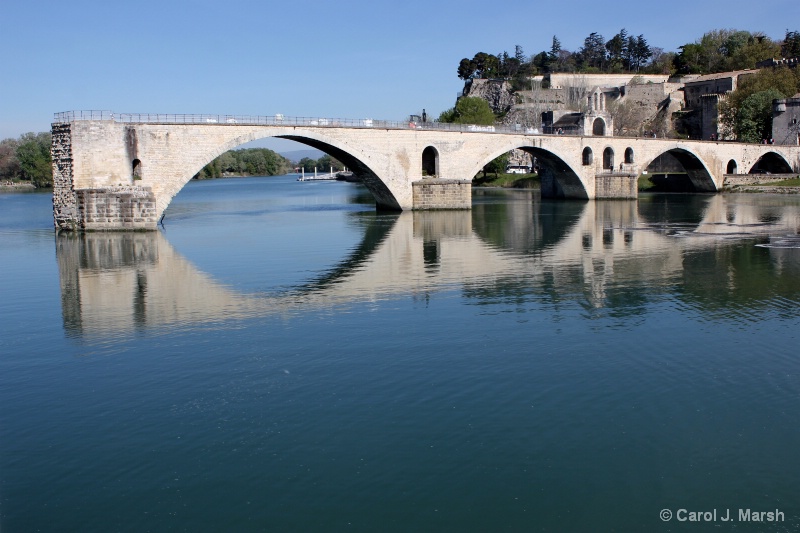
{"x":246,"y":162}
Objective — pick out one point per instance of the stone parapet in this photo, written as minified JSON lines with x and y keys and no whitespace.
{"x":437,"y":193}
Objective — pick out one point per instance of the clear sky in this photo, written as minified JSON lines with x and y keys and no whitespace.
{"x":338,"y":59}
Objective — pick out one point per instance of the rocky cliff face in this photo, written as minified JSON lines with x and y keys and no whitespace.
{"x":496,"y":92}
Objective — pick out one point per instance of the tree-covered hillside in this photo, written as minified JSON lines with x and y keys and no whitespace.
{"x":715,"y":51}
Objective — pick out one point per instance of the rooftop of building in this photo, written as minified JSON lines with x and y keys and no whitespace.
{"x":721,"y":76}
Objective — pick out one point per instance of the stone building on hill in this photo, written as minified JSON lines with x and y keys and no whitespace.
{"x":702,"y":96}
{"x":786,"y":120}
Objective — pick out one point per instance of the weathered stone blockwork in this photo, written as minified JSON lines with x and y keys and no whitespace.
{"x":616,"y":186}
{"x":116,"y":208}
{"x":434,"y":193}
{"x":65,"y":207}
{"x":738,"y":180}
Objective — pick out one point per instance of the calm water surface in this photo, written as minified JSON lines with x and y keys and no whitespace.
{"x":280,"y":357}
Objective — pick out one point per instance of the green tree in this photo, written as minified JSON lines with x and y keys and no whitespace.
{"x":325,"y":163}
{"x":496,"y":165}
{"x":307,"y":164}
{"x":661,"y":62}
{"x":593,"y":53}
{"x":555,"y":50}
{"x":690,"y":59}
{"x":448,"y":115}
{"x":723,"y":50}
{"x":246,"y":162}
{"x":466,"y":69}
{"x":9,"y":164}
{"x":755,"y":116}
{"x":783,"y":81}
{"x":617,"y":48}
{"x":472,"y":110}
{"x":33,"y":154}
{"x":791,"y":44}
{"x":542,"y":62}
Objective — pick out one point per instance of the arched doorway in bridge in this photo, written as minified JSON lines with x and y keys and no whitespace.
{"x":430,"y":161}
{"x":629,"y":156}
{"x":731,"y":167}
{"x":588,"y":156}
{"x":608,"y":159}
{"x":599,"y":127}
{"x":137,"y":169}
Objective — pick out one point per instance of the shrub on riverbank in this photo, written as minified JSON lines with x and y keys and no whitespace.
{"x":509,"y":181}
{"x":27,"y":159}
{"x":246,"y":162}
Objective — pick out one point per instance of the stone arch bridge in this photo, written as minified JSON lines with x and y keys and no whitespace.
{"x":120,"y":171}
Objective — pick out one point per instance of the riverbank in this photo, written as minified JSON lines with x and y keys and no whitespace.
{"x":509,"y":181}
{"x":680,"y":182}
{"x":15,"y":186}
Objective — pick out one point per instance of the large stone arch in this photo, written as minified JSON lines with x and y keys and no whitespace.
{"x":772,"y":162}
{"x":696,"y":170}
{"x":559,"y":179}
{"x":384,"y":197}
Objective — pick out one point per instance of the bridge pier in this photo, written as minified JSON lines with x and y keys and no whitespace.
{"x":616,"y":185}
{"x":438,"y":193}
{"x":119,"y":207}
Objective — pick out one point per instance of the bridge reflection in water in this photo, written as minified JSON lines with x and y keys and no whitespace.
{"x":601,"y":254}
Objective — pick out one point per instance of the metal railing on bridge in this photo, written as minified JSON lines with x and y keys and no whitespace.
{"x":280,"y":120}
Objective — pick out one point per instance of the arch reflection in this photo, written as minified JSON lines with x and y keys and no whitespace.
{"x":620,"y":255}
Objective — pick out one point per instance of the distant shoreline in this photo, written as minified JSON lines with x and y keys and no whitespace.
{"x":18,"y":187}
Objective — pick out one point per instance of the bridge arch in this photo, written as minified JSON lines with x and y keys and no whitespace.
{"x":354,"y":160}
{"x":732,"y":167}
{"x":702,"y":180}
{"x":772,"y":162}
{"x":559,"y":179}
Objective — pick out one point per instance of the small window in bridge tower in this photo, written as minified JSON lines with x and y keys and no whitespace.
{"x":608,"y":159}
{"x":599,"y":127}
{"x":588,"y":156}
{"x":137,"y":169}
{"x":629,"y":156}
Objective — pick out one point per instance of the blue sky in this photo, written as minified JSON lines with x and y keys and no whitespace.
{"x":339,"y":59}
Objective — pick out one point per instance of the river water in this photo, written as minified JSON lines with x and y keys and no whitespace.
{"x":281,"y":357}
